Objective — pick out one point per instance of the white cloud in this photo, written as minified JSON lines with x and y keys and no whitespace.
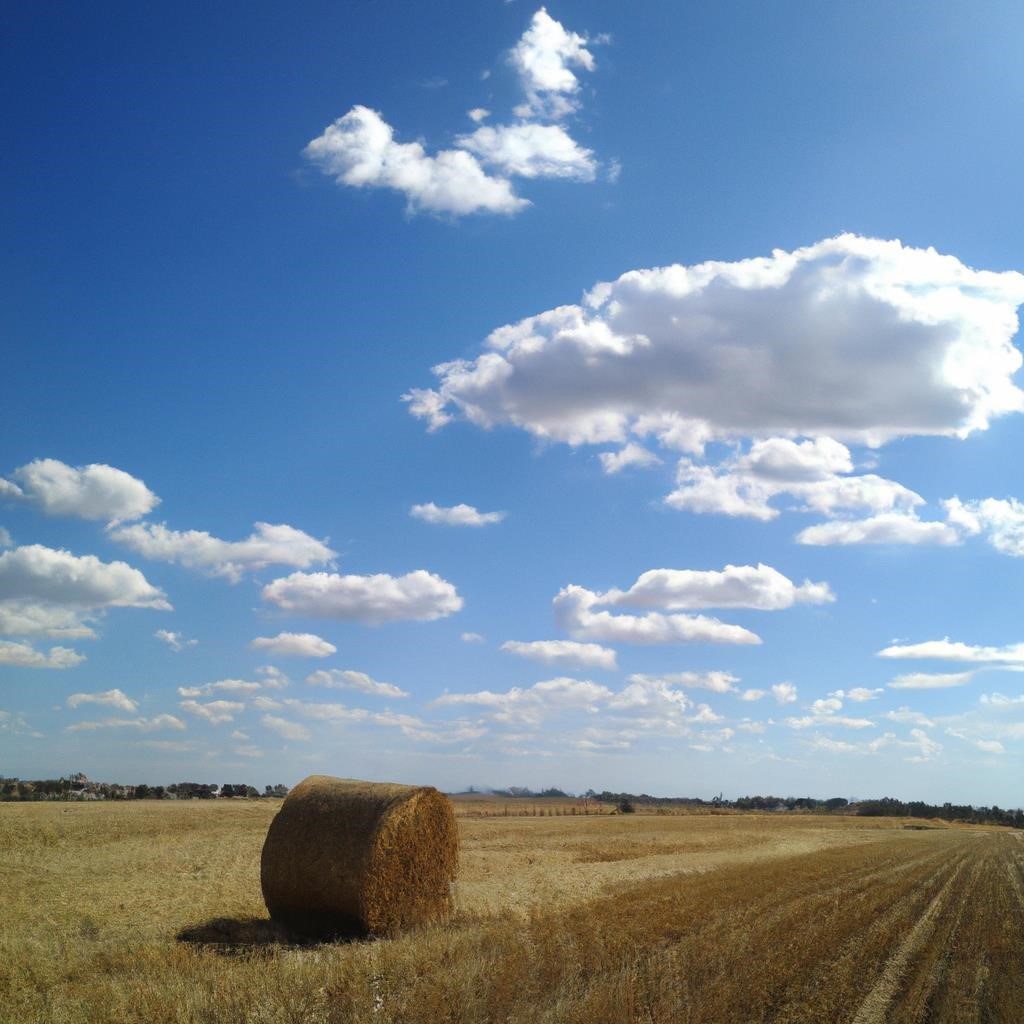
{"x":236,"y":686}
{"x":6,"y":540}
{"x":737,"y":586}
{"x":418,"y":596}
{"x":216,"y":712}
{"x":142,"y":724}
{"x":1000,"y":700}
{"x":456,"y":515}
{"x":478,"y":114}
{"x":563,"y":652}
{"x":87,"y":492}
{"x":632,"y":454}
{"x":359,"y":150}
{"x":927,"y":748}
{"x":25,"y":656}
{"x":176,"y":641}
{"x":471,"y":638}
{"x":272,"y":677}
{"x":268,"y":544}
{"x":531,"y":151}
{"x":298,"y":645}
{"x":953,"y":650}
{"x":533,"y":704}
{"x":990,"y":746}
{"x":16,"y":724}
{"x":654,"y":694}
{"x":544,"y":58}
{"x":114,"y":698}
{"x":784,"y":693}
{"x":239,"y":735}
{"x":347,"y":679}
{"x":752,"y":695}
{"x":247,"y":751}
{"x":855,"y":339}
{"x":760,"y":587}
{"x":1002,"y":520}
{"x":930,"y":681}
{"x":887,"y":528}
{"x":33,"y":618}
{"x":574,"y":612}
{"x":285,"y":729}
{"x":50,"y":592}
{"x":904,"y":714}
{"x":858,"y":693}
{"x":717,"y":682}
{"x":808,"y":471}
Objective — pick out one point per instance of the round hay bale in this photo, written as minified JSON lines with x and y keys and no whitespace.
{"x":345,"y":856}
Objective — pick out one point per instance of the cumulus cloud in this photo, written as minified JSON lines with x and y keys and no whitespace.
{"x":87,"y":492}
{"x":906,"y":715}
{"x":26,"y":656}
{"x":1000,"y":700}
{"x":544,"y":59}
{"x":954,"y":650}
{"x":216,"y":712}
{"x":347,"y":679}
{"x":297,"y":645}
{"x":574,"y":612}
{"x":456,"y":515}
{"x":887,"y":528}
{"x":563,"y":652}
{"x":236,"y":686}
{"x":814,"y":474}
{"x":113,"y":698}
{"x":1001,"y":520}
{"x":471,"y":638}
{"x":531,"y":151}
{"x":176,"y":641}
{"x":532,"y":704}
{"x":359,"y":150}
{"x":5,"y":538}
{"x":584,"y":613}
{"x":285,"y":729}
{"x":631,"y":454}
{"x":737,"y":586}
{"x":717,"y":682}
{"x":784,"y":693}
{"x":49,"y":592}
{"x":854,"y":339}
{"x":267,"y":545}
{"x":858,"y":693}
{"x":418,"y":596}
{"x":930,"y":680}
{"x":141,"y":724}
{"x":990,"y":746}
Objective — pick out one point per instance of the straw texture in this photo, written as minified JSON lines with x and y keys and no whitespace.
{"x":345,"y":856}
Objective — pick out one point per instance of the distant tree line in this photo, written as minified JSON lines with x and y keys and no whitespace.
{"x":79,"y":787}
{"x":886,"y":806}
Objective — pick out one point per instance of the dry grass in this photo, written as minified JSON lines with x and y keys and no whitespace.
{"x":715,"y":919}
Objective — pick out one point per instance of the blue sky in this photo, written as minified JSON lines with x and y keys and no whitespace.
{"x":478,"y":393}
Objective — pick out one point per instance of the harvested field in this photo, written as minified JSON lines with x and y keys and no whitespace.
{"x":618,"y":919}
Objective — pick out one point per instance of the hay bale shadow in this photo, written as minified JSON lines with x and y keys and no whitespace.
{"x":251,"y":934}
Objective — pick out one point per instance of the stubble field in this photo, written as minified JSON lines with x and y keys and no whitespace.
{"x":717,"y":918}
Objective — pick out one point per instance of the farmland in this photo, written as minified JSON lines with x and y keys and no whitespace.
{"x":559,"y":918}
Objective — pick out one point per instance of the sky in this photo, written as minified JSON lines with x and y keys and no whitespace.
{"x":474,"y":393}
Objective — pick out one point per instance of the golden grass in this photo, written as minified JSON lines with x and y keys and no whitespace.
{"x":725,"y":919}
